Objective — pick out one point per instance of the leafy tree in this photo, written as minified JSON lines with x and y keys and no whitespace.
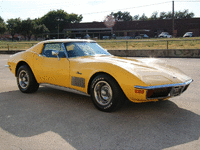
{"x":74,"y":18}
{"x":1,"y":19}
{"x":183,"y":15}
{"x":124,"y":16}
{"x":136,"y":17}
{"x":2,"y":26}
{"x":177,"y":15}
{"x":168,"y":15}
{"x":13,"y":26}
{"x":39,"y":30}
{"x":59,"y":18}
{"x":162,"y":15}
{"x":143,"y":17}
{"x":154,"y":16}
{"x":27,"y":27}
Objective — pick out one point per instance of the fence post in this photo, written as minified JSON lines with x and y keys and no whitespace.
{"x":8,"y":47}
{"x":126,"y":45}
{"x":167,"y":44}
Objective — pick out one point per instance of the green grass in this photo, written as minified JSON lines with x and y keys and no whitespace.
{"x":133,"y":44}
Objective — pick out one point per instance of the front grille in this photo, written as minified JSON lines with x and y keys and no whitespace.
{"x":158,"y":93}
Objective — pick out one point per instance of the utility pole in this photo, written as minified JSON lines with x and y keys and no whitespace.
{"x":172,"y":18}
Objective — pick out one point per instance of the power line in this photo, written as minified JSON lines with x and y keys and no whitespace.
{"x":187,"y":1}
{"x":127,"y":8}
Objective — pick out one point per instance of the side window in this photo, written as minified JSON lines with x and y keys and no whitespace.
{"x":73,"y":50}
{"x":49,"y":47}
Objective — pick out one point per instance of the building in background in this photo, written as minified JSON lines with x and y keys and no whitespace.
{"x":131,"y":29}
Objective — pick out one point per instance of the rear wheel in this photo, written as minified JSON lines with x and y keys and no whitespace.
{"x":26,"y":81}
{"x":106,"y":94}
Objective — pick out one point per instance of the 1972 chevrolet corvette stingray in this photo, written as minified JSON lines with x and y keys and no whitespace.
{"x":85,"y":66}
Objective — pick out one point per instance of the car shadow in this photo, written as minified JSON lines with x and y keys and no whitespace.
{"x":136,"y":126}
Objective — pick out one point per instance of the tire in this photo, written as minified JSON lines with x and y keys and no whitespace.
{"x":26,"y":81}
{"x":106,"y":94}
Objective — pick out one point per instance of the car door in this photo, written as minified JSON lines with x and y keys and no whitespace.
{"x":52,"y":68}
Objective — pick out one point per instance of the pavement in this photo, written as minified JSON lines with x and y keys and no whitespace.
{"x":55,"y":119}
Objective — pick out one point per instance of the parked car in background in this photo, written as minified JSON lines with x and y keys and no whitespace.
{"x":142,"y":36}
{"x":165,"y":35}
{"x":188,"y":34}
{"x":106,"y":37}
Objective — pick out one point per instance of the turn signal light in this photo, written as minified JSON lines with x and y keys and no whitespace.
{"x":139,"y":91}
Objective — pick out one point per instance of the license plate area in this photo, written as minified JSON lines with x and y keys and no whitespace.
{"x":177,"y":90}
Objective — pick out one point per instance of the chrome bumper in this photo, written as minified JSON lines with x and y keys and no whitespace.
{"x":164,"y":91}
{"x":163,"y":86}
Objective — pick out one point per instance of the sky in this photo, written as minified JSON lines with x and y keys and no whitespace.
{"x":92,"y":10}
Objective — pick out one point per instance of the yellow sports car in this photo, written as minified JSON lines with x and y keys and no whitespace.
{"x":85,"y":66}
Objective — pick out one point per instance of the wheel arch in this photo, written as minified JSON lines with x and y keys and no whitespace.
{"x":95,"y":75}
{"x":21,"y":63}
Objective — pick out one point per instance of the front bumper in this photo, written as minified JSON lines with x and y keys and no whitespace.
{"x":164,"y":91}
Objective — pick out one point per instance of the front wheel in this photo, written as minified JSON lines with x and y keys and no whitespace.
{"x":106,"y":94}
{"x":26,"y":81}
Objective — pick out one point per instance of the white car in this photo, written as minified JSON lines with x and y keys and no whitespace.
{"x":188,"y":34}
{"x":165,"y":35}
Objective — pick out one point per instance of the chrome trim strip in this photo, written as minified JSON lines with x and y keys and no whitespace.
{"x":7,"y":66}
{"x":64,"y":88}
{"x":163,"y":86}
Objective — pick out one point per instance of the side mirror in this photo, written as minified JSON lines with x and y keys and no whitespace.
{"x":55,"y":53}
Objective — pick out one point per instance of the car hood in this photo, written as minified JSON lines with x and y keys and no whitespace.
{"x":149,"y":70}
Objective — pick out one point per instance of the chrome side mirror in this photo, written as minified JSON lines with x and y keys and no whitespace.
{"x":55,"y":53}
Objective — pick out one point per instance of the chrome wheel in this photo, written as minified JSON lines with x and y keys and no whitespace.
{"x":103,"y":93}
{"x":23,"y":79}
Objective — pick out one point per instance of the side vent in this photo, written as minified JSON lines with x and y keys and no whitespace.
{"x":76,"y":81}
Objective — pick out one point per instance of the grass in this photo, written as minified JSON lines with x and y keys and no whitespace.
{"x":174,"y":43}
{"x":5,"y":45}
{"x":133,"y":44}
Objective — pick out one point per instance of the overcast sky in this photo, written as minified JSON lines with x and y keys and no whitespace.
{"x":92,"y":10}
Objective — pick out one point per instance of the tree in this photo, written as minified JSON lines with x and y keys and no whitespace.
{"x":2,"y":26}
{"x":13,"y":26}
{"x":124,"y":16}
{"x":162,"y":15}
{"x":177,"y":15}
{"x":74,"y":18}
{"x":59,"y":18}
{"x":27,"y":28}
{"x":143,"y":17}
{"x":136,"y":17}
{"x":154,"y":16}
{"x":39,"y":30}
{"x":183,"y":15}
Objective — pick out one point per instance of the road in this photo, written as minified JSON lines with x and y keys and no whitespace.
{"x":56,"y":119}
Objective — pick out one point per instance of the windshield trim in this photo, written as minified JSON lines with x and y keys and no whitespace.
{"x":79,"y":51}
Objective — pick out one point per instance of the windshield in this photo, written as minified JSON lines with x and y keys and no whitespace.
{"x":78,"y":49}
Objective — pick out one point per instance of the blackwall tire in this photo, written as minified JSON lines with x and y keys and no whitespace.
{"x":106,"y":94}
{"x":26,"y":81}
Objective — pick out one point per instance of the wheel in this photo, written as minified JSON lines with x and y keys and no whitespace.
{"x":106,"y":94}
{"x":26,"y":81}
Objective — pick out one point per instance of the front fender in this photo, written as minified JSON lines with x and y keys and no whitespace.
{"x":125,"y":79}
